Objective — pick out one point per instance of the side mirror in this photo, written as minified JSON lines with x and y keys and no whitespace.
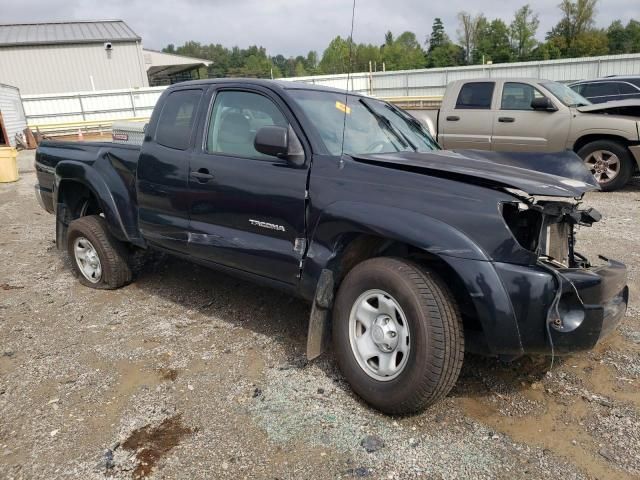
{"x":281,"y":142}
{"x":544,"y":104}
{"x":272,"y":140}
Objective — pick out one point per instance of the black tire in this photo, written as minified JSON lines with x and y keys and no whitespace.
{"x":111,"y":252}
{"x":436,"y":335}
{"x":626,"y":162}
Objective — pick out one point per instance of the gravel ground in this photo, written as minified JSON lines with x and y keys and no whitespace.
{"x":188,"y":373}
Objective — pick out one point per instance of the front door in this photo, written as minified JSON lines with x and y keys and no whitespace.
{"x":519,"y":128}
{"x":247,"y":209}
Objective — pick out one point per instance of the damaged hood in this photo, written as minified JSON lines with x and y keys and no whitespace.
{"x":619,"y":107}
{"x":561,"y":174}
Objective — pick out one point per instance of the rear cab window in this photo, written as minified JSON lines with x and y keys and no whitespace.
{"x":178,"y":115}
{"x":476,"y":96}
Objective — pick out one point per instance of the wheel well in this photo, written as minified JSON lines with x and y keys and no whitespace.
{"x":582,"y":141}
{"x":78,"y":199}
{"x":358,"y":248}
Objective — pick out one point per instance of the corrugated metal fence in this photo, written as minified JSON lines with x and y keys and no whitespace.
{"x":432,"y":82}
{"x":13,"y":116}
{"x":88,"y":110}
{"x":99,"y":109}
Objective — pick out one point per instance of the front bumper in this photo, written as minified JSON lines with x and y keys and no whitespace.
{"x":591,"y":303}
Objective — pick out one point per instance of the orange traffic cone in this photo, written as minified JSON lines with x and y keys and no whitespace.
{"x":80,"y":135}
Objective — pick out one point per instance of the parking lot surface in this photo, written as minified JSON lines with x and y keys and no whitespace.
{"x":188,"y":373}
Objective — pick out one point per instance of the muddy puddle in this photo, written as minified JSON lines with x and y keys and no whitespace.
{"x":150,"y":444}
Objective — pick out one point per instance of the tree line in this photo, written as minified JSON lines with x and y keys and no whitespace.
{"x":478,"y":40}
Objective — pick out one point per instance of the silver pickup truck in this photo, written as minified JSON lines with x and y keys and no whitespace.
{"x":529,"y":115}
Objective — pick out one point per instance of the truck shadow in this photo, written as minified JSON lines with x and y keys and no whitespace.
{"x":268,"y":312}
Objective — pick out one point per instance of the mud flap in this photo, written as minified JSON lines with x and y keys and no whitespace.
{"x":61,"y":226}
{"x":319,"y":320}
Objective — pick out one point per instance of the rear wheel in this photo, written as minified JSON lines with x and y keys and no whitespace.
{"x":98,"y":259}
{"x":610,"y":163}
{"x":397,"y":335}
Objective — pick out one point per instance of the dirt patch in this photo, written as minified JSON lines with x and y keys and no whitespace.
{"x":169,"y":374}
{"x":150,"y":444}
{"x":80,"y":370}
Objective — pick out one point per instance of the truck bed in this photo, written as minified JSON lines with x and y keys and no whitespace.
{"x":106,"y":157}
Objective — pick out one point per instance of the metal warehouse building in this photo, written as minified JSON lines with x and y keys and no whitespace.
{"x":66,"y":57}
{"x":71,"y":56}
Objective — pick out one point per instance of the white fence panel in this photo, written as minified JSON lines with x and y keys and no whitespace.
{"x":49,"y":110}
{"x":433,"y":81}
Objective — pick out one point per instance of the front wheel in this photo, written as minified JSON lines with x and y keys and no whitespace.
{"x":98,"y":259}
{"x":610,"y":163}
{"x":397,"y":335}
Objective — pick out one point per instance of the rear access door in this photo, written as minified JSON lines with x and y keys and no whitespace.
{"x":467,"y":121}
{"x":163,"y":170}
{"x":247,"y":209}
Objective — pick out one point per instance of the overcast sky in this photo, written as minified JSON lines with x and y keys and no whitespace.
{"x":289,"y":27}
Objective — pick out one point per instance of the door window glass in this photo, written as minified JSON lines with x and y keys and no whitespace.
{"x":235,"y":119}
{"x":476,"y":95}
{"x":601,"y":89}
{"x":626,"y":89}
{"x":176,"y":119}
{"x":518,"y":96}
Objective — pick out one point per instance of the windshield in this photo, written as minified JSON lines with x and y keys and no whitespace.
{"x":372,"y":126}
{"x":567,"y":96}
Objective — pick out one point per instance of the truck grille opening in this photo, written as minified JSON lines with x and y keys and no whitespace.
{"x":556,"y":242}
{"x":524,"y":223}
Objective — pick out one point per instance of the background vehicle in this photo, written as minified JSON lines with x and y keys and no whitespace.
{"x":609,"y":88}
{"x":529,"y":115}
{"x":418,"y":254}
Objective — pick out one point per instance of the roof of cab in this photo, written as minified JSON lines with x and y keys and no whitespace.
{"x":278,"y":84}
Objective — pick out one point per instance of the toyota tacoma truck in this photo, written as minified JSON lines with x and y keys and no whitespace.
{"x":409,"y":255}
{"x":531,"y":115}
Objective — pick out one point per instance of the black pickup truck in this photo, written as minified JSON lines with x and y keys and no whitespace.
{"x":410,"y":255}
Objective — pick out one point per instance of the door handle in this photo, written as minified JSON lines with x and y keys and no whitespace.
{"x":202,"y":175}
{"x":506,"y":119}
{"x":453,"y":118}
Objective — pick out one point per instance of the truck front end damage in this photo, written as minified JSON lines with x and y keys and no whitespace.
{"x":564,"y":302}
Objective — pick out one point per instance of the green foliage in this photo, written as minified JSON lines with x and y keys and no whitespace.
{"x":447,"y":55}
{"x":335,"y":58}
{"x":480,"y":39}
{"x":404,"y":53}
{"x":576,"y":26}
{"x":492,"y":42}
{"x":623,"y":39}
{"x":523,"y":30}
{"x":438,"y":36}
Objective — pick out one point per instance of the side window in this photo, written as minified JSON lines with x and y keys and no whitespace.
{"x":601,"y":89}
{"x":578,"y":89}
{"x":626,"y":89}
{"x":235,"y":119}
{"x":518,"y":96}
{"x":176,"y":119}
{"x":476,"y":95}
